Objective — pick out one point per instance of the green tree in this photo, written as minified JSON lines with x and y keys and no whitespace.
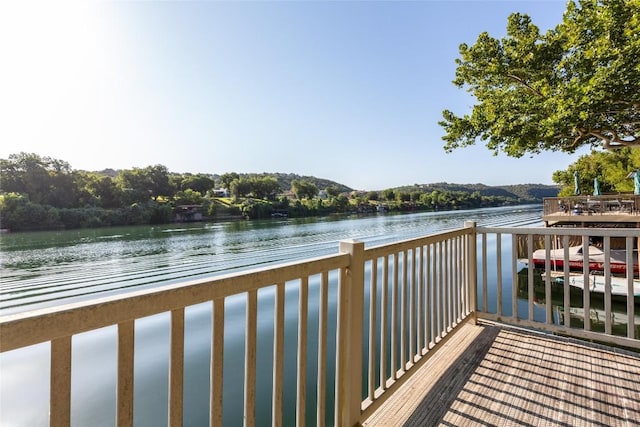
{"x":200,"y":183}
{"x":403,"y":196}
{"x":612,"y":169}
{"x":17,"y":213}
{"x":158,"y":176}
{"x":45,"y":180}
{"x":304,"y":189}
{"x":240,"y":187}
{"x":188,"y":197}
{"x":578,"y":84}
{"x":333,"y":191}
{"x":227,"y":178}
{"x":264,"y":188}
{"x":103,"y":190}
{"x":372,"y":195}
{"x":141,"y":184}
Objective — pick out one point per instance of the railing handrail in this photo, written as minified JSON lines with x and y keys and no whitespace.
{"x":33,"y":327}
{"x":569,"y":231}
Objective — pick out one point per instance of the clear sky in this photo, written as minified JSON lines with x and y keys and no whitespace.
{"x":350,"y":91}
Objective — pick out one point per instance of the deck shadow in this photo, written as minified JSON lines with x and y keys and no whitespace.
{"x":437,"y":402}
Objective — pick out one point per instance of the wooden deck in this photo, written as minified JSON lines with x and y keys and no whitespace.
{"x":494,"y":376}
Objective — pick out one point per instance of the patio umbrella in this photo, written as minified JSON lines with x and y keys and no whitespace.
{"x":576,"y":183}
{"x":596,"y":186}
{"x":636,"y":182}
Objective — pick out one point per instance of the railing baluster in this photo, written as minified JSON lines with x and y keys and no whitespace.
{"x":630,"y":294}
{"x":412,"y":308}
{"x":485,"y":279}
{"x":427,"y":299}
{"x":547,"y":284}
{"x":403,"y":314}
{"x":446,"y":286}
{"x":462,"y":271}
{"x":250,"y":360}
{"x":566,"y":286}
{"x":514,"y":277}
{"x":60,"y":387}
{"x":303,"y":317}
{"x":455,"y":270}
{"x":125,"y":373}
{"x":322,"y":350}
{"x":441,"y":292}
{"x":586,"y":294}
{"x":384,"y":317}
{"x":499,"y":275}
{"x":394,"y":319}
{"x":452,"y":284}
{"x":278,"y":356}
{"x":461,"y":275}
{"x":217,"y":362}
{"x":420,"y":298}
{"x":433,"y":306}
{"x":373,"y":307}
{"x":472,"y":268}
{"x":176,"y":370}
{"x":607,"y":285}
{"x":530,"y":279}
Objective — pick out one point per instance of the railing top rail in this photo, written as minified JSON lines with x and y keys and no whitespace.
{"x":591,"y":196}
{"x":387,"y":248}
{"x":33,"y":327}
{"x":569,"y":231}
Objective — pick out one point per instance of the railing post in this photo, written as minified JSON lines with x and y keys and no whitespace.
{"x":472,"y":269}
{"x":349,"y":340}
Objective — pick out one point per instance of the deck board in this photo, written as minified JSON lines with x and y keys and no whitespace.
{"x":505,"y":376}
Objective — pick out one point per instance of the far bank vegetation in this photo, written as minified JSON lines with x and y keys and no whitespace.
{"x":41,"y":193}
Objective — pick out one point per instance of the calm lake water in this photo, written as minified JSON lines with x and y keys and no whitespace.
{"x":42,"y":269}
{"x":52,"y":268}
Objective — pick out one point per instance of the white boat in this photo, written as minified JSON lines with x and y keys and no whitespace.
{"x":617,"y":259}
{"x":619,"y":285}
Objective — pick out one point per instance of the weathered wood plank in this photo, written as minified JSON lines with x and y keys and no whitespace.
{"x":491,"y":375}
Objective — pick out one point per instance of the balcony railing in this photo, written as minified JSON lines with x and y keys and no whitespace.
{"x":393,"y":307}
{"x":609,"y":204}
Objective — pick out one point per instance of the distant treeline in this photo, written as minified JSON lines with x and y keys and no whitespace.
{"x":41,"y":193}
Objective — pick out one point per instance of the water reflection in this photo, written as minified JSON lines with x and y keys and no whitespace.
{"x":577,"y":314}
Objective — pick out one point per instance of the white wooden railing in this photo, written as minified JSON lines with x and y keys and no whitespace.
{"x":394,"y":305}
{"x":522,"y":310}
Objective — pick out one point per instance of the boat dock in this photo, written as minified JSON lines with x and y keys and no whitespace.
{"x":622,"y":210}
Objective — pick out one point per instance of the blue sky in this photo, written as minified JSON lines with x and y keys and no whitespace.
{"x":349,"y":91}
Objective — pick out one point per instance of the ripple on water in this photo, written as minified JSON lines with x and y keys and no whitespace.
{"x":74,"y":265}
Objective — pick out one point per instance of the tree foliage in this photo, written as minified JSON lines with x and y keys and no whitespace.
{"x":200,"y":183}
{"x":611,"y":168}
{"x":39,"y":193}
{"x":304,"y":189}
{"x":578,"y":84}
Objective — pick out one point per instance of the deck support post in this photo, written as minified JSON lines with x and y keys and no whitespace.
{"x":349,"y":351}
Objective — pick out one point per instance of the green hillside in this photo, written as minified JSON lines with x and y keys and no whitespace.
{"x":522,"y":192}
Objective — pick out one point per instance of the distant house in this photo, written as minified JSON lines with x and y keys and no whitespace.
{"x":188,"y":213}
{"x":220,"y":192}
